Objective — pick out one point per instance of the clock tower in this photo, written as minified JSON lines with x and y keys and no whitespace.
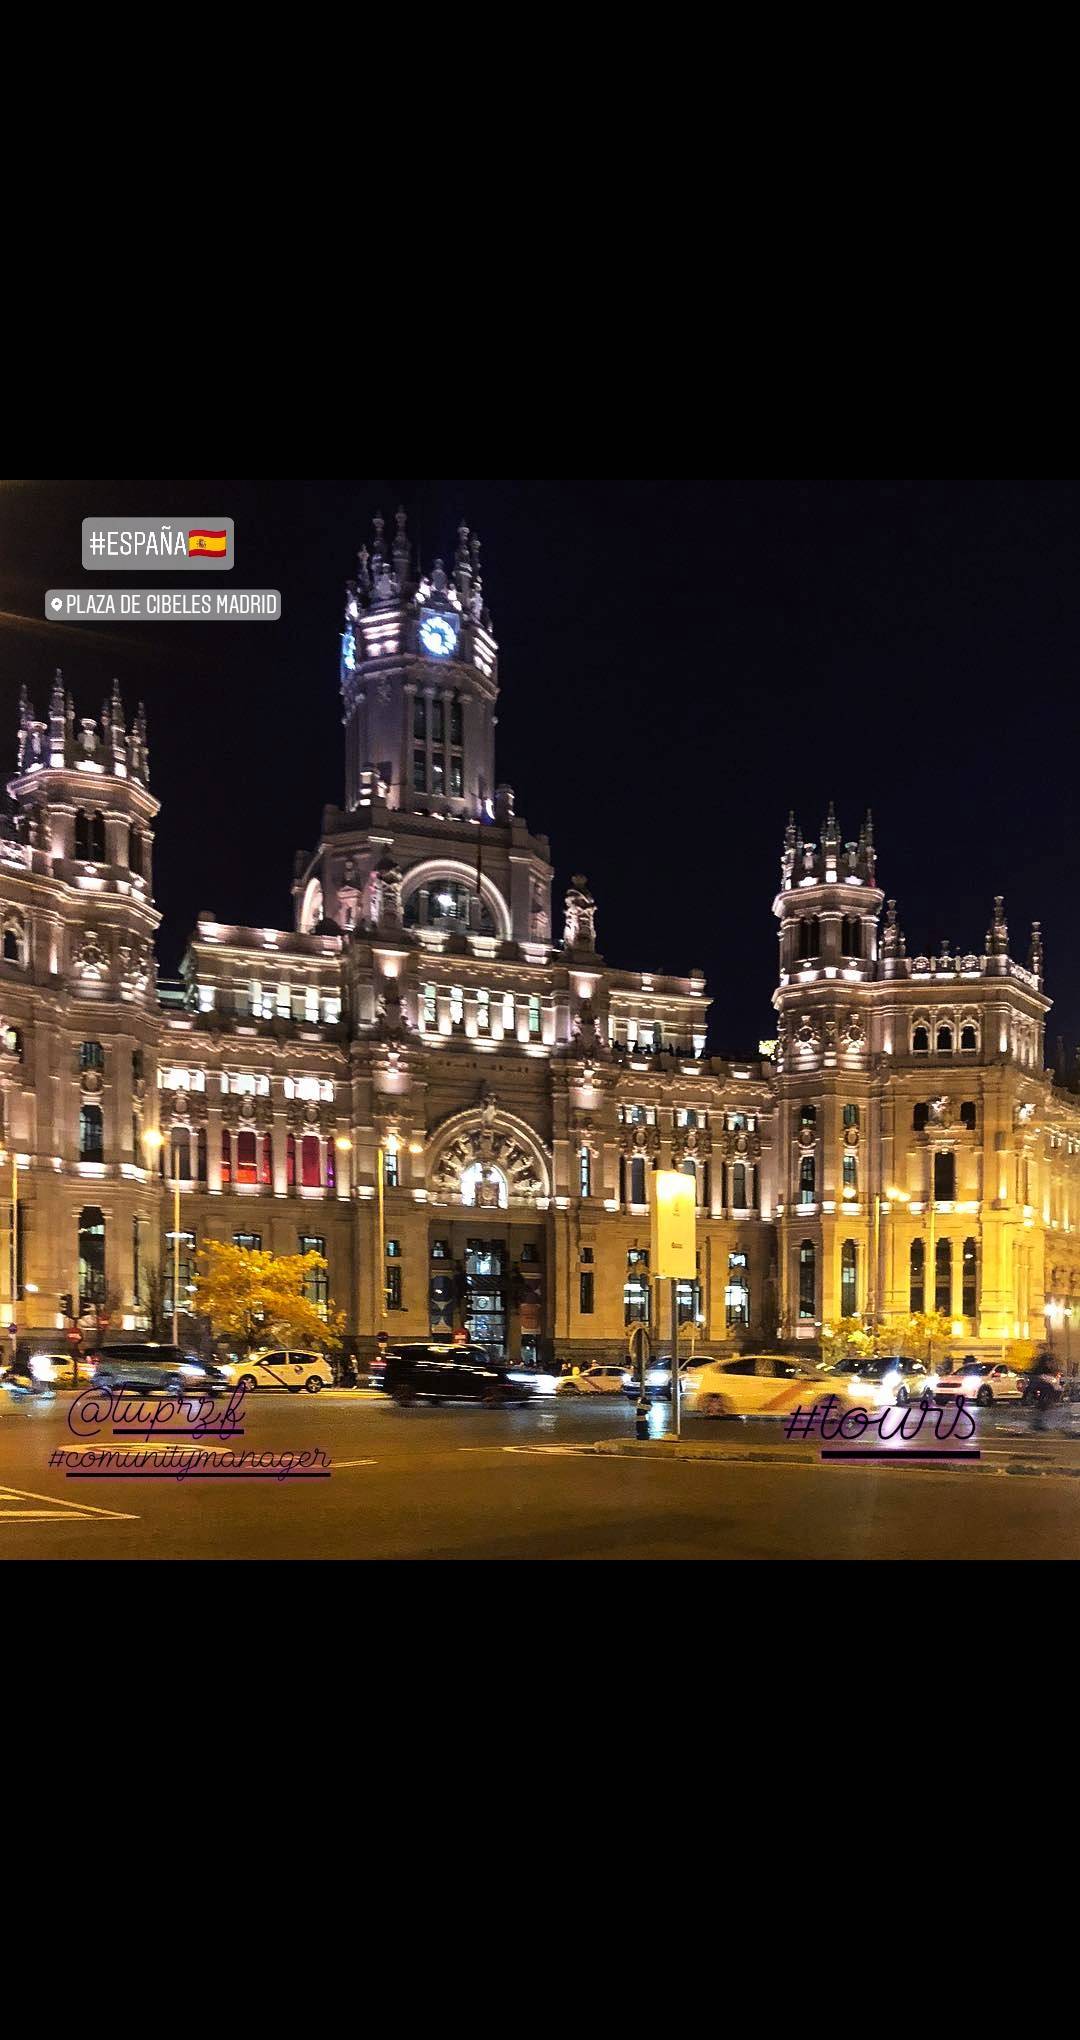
{"x":419,"y":682}
{"x":426,"y":840}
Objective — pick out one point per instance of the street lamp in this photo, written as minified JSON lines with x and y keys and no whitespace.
{"x":155,"y":1142}
{"x":390,"y":1146}
{"x":13,"y":1266}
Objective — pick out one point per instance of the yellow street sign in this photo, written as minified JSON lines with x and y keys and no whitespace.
{"x":673,"y":1251}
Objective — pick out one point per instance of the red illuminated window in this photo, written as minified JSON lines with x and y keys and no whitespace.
{"x":290,"y":1161}
{"x":310,"y":1162}
{"x":226,"y":1156}
{"x":246,"y":1163}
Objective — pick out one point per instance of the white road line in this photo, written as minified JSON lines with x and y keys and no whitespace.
{"x":82,"y":1510}
{"x":341,"y":1465}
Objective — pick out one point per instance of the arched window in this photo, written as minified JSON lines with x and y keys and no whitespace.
{"x":944,"y":1176}
{"x":180,"y":1155}
{"x":311,"y":1162}
{"x":738,"y":1187}
{"x":91,"y":1257}
{"x":920,"y":1041}
{"x":91,"y":1134}
{"x":943,"y":1277}
{"x":969,"y":1038}
{"x":917,"y":1288}
{"x":970,"y":1301}
{"x":920,"y":1117}
{"x":807,"y":1173}
{"x":807,"y":1280}
{"x":91,"y":1056}
{"x":247,"y":1168}
{"x":852,"y":935}
{"x":452,"y":904}
{"x":944,"y":1040}
{"x":848,"y":1279}
{"x":14,"y":938}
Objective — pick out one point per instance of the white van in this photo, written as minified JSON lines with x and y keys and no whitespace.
{"x":278,"y":1369}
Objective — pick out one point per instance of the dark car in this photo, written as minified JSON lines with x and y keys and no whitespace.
{"x":434,"y":1373}
{"x":1044,"y":1382}
{"x":159,"y":1370}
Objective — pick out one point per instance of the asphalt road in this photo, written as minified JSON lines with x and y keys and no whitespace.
{"x":472,"y":1484}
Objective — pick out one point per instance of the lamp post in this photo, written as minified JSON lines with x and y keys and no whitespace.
{"x":389,"y":1147}
{"x":155,"y":1142}
{"x":13,"y":1263}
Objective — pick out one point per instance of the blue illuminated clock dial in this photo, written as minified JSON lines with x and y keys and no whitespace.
{"x":438,"y":637}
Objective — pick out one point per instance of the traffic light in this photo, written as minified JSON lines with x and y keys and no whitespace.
{"x":67,"y":1305}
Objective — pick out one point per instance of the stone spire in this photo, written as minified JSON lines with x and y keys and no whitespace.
{"x":402,"y":553}
{"x":1035,"y":957}
{"x":997,"y":935}
{"x":56,"y":718}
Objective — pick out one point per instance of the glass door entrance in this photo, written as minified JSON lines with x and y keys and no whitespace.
{"x":485,"y":1287}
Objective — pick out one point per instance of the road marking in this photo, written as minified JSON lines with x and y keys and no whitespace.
{"x":56,"y":1510}
{"x":341,"y":1465}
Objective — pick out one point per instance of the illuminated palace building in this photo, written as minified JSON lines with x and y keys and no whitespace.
{"x":460,"y":1103}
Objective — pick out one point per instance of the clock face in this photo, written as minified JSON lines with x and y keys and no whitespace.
{"x":438,"y":635}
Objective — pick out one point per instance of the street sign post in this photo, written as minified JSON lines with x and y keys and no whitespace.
{"x":638,"y":1346}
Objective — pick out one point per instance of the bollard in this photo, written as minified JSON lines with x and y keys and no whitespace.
{"x":641,"y":1419}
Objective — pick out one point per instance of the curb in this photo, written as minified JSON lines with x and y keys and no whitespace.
{"x":659,"y":1450}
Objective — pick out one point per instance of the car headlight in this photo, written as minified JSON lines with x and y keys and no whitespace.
{"x":970,"y":1384}
{"x":656,"y":1377}
{"x":41,"y":1367}
{"x":931,"y":1382}
{"x":628,"y":1381}
{"x":191,"y":1372}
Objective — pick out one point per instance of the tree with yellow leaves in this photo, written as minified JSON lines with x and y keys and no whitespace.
{"x":254,"y":1299}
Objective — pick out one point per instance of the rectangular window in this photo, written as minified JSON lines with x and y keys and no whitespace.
{"x":457,"y":1006}
{"x":586,"y":1281}
{"x":534,"y":1019}
{"x":419,"y":721}
{"x":457,"y":778}
{"x":311,"y":1006}
{"x":419,"y":771}
{"x":438,"y":776}
{"x":943,"y":1277}
{"x":393,"y":1289}
{"x":848,"y":1279}
{"x":431,"y":1011}
{"x":390,"y":1170}
{"x":971,"y":1264}
{"x":455,"y":724}
{"x":851,"y":1183}
{"x":944,"y":1177}
{"x":440,"y":1250}
{"x":917,"y":1280}
{"x":250,"y":1241}
{"x":317,"y":1283}
{"x":508,"y":1013}
{"x":483,"y":1012}
{"x":585,"y":1173}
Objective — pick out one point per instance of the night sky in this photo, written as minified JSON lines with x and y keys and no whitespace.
{"x":681,"y":663}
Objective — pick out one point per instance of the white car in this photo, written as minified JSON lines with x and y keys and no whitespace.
{"x":606,"y":1380}
{"x":981,"y":1381}
{"x":278,"y":1369}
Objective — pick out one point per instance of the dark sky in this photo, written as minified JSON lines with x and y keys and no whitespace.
{"x":681,"y":662}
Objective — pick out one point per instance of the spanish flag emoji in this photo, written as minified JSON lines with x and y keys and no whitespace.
{"x":210,"y":545}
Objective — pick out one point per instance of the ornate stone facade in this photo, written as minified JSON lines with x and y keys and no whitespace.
{"x":466,"y":1112}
